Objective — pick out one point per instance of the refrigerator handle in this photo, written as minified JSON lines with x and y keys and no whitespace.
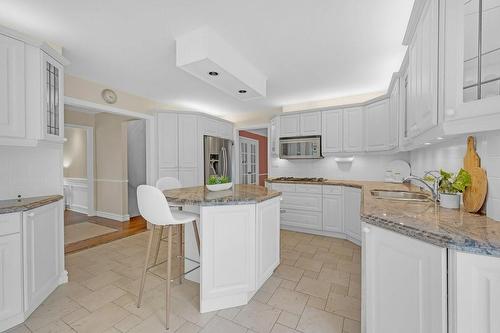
{"x":224,"y":159}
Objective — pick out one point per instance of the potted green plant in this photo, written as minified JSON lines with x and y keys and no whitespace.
{"x":219,"y":183}
{"x":450,"y":187}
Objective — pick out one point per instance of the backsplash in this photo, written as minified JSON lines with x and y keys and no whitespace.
{"x":449,"y":155}
{"x":365,"y":167}
{"x":30,"y":171}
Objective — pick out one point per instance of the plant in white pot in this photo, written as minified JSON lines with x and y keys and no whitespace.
{"x":219,"y":183}
{"x":450,"y":187}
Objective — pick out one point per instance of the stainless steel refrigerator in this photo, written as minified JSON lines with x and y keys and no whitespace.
{"x":217,"y":154}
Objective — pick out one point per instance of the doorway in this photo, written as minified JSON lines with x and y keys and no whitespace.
{"x":252,"y":151}
{"x":249,"y":161}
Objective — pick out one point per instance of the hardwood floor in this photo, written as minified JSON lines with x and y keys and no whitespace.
{"x":123,"y":229}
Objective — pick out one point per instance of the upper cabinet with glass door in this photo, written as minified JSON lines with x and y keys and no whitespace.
{"x":472,"y":62}
{"x":31,"y":91}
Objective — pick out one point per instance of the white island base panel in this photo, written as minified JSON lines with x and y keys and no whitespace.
{"x":239,"y":247}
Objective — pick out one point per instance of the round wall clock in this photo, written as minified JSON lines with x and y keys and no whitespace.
{"x":109,"y":96}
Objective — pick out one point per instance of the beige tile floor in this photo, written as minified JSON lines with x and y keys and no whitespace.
{"x":316,"y":289}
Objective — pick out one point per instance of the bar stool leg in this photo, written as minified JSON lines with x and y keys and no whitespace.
{"x":158,"y":244}
{"x":148,"y":253}
{"x":196,"y":235}
{"x":169,"y":266}
{"x":181,"y":252}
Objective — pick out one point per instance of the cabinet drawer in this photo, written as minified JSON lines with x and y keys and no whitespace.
{"x":284,"y":187}
{"x":332,"y":189}
{"x":303,"y":219}
{"x":301,"y":201}
{"x":308,"y":188}
{"x":10,"y":223}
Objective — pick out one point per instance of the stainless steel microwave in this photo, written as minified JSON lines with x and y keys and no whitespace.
{"x":302,"y":147}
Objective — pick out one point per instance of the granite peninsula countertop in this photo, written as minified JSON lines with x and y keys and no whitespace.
{"x":21,"y":205}
{"x":237,"y":195}
{"x":426,"y":221}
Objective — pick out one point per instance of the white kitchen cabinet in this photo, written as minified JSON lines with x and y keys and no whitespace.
{"x":268,"y":239}
{"x":310,"y":123}
{"x":333,"y":213}
{"x":301,"y":218}
{"x":404,"y":284}
{"x":226,"y":130}
{"x":474,"y":293}
{"x":352,"y":213}
{"x":353,"y":119}
{"x":168,"y":172}
{"x":301,"y":201}
{"x":187,"y":141}
{"x":275,"y":137}
{"x":394,"y":110}
{"x":378,"y":126}
{"x":168,"y":140}
{"x":52,"y":99}
{"x":11,"y":279}
{"x":12,"y":88}
{"x":290,"y":125}
{"x":423,"y":71}
{"x":43,"y":262}
{"x":188,"y":177}
{"x":332,"y":131}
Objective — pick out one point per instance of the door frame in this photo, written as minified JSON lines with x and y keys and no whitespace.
{"x":236,"y":136}
{"x":86,"y":106}
{"x":257,"y":161}
{"x":90,"y":166}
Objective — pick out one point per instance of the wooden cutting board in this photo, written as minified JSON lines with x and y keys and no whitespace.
{"x":475,"y":194}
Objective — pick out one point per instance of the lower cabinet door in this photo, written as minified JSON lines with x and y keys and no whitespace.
{"x":10,"y":277}
{"x":168,"y":172}
{"x":474,"y":293}
{"x":352,"y":212}
{"x":404,"y":284}
{"x":332,"y":213}
{"x":43,"y":249}
{"x":301,"y":219}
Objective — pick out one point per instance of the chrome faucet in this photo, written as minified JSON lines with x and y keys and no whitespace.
{"x":432,"y":189}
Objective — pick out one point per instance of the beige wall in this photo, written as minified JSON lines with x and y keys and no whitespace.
{"x":75,"y":152}
{"x":111,"y":163}
{"x":91,"y":91}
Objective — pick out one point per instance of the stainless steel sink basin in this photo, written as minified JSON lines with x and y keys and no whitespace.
{"x":400,"y":195}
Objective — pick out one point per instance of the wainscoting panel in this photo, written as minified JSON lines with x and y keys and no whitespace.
{"x":76,"y":194}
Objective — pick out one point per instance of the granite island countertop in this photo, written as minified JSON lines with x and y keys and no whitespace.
{"x":237,"y":195}
{"x":426,"y":221}
{"x":21,"y":205}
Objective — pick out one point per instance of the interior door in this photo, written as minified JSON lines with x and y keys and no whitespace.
{"x":249,"y":161}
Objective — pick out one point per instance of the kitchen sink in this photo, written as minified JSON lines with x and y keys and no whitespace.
{"x":400,"y":195}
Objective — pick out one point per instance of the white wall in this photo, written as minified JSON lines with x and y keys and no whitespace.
{"x":31,"y":171}
{"x":449,"y":156}
{"x":365,"y":167}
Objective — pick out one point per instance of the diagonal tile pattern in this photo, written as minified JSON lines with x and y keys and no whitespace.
{"x":316,"y":289}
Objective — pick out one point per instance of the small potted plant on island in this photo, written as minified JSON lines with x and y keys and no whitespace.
{"x":450,"y":187}
{"x":219,"y":183}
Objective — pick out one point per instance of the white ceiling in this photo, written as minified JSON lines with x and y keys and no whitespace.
{"x":309,"y":50}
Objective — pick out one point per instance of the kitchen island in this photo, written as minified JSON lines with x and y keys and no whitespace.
{"x":239,"y":241}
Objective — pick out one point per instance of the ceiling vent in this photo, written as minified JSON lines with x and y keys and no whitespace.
{"x":207,"y":56}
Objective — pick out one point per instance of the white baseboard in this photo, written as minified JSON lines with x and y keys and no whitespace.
{"x":78,"y":209}
{"x":113,"y":216}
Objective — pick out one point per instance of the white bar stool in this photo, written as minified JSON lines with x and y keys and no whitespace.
{"x":154,"y":207}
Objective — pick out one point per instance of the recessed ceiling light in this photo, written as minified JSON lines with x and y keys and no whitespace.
{"x":242,"y":91}
{"x":427,"y":143}
{"x":439,"y":138}
{"x":213,"y":73}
